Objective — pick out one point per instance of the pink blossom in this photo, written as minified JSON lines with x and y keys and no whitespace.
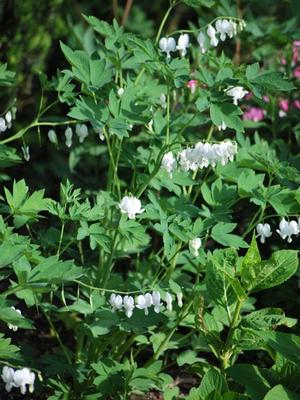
{"x":283,"y":60}
{"x":296,"y":104}
{"x":255,"y":114}
{"x":266,"y":99}
{"x":296,"y":43}
{"x":297,"y":72}
{"x":284,"y":105}
{"x":192,"y":84}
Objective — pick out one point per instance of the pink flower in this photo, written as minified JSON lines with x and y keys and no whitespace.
{"x":192,"y":84}
{"x":296,"y":43}
{"x":297,"y":72}
{"x":284,"y":105}
{"x":266,"y":99}
{"x":283,"y":60}
{"x":296,"y":104}
{"x":255,"y":114}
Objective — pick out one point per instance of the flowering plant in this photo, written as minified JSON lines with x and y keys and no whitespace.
{"x":147,"y":262}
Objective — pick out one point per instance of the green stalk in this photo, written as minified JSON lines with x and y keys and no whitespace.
{"x":234,"y":322}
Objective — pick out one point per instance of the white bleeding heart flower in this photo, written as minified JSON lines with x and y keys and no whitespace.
{"x":82,"y":132}
{"x":183,"y":44}
{"x":8,"y":378}
{"x":201,"y":39}
{"x":236,"y":92}
{"x":116,"y":302}
{"x":14,"y":327}
{"x":68,"y":135}
{"x":211,"y":33}
{"x":143,"y":302}
{"x":169,"y":163}
{"x":3,"y":125}
{"x":52,"y":136}
{"x":194,"y":246}
{"x":169,"y":300}
{"x":167,"y":45}
{"x":23,"y":377}
{"x":179,"y":296}
{"x":128,"y":302}
{"x":156,"y":301}
{"x":131,"y":206}
{"x":287,"y":229}
{"x":26,"y":152}
{"x":263,"y":231}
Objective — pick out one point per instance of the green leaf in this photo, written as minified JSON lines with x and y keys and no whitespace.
{"x":199,"y":3}
{"x":255,"y":380}
{"x":279,"y":392}
{"x":280,"y":267}
{"x":267,"y":318}
{"x":286,"y":344}
{"x":228,"y":113}
{"x":221,"y":234}
{"x":52,"y":270}
{"x":250,"y":261}
{"x":212,"y":381}
{"x":7,"y":350}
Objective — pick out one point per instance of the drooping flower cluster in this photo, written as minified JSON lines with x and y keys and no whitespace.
{"x":6,"y":122}
{"x":222,"y":28}
{"x":201,"y":156}
{"x":131,"y":206}
{"x":81,"y":131}
{"x":142,"y":302}
{"x":18,"y":379}
{"x":286,"y":230}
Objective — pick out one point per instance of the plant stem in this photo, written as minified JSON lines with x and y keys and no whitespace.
{"x":227,"y":350}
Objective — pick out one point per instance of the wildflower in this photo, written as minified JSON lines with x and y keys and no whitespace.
{"x":168,"y":300}
{"x":297,"y":72}
{"x":236,"y":92}
{"x":150,"y":125}
{"x":128,"y":306}
{"x":144,"y":302}
{"x":23,"y":377}
{"x":116,"y":302}
{"x":287,"y":229}
{"x":156,"y":301}
{"x":14,"y":327}
{"x":3,"y":125}
{"x":192,"y":85}
{"x":8,"y":378}
{"x":120,"y":92}
{"x":8,"y":118}
{"x":264,"y":231}
{"x":222,"y":127}
{"x":26,"y":154}
{"x":68,"y":135}
{"x":224,"y":27}
{"x":169,"y":163}
{"x":211,"y":33}
{"x":183,"y":44}
{"x":81,"y":131}
{"x":201,"y":39}
{"x":255,"y":114}
{"x":296,"y":104}
{"x":167,"y":45}
{"x":131,"y":206}
{"x":194,"y":246}
{"x":179,"y":296}
{"x":284,"y":105}
{"x":52,"y":136}
{"x":100,"y":133}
